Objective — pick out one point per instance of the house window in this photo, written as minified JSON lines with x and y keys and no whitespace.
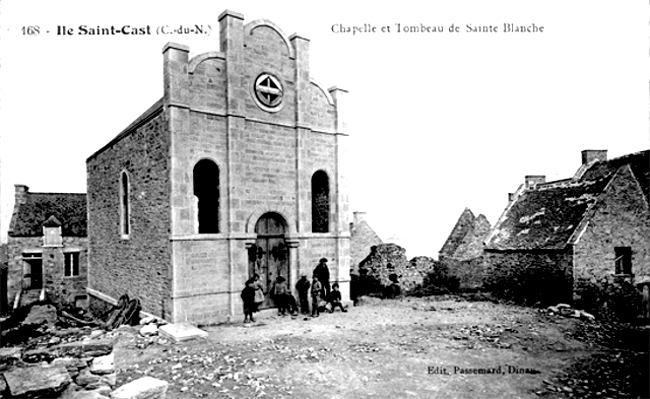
{"x":320,"y":202}
{"x":71,"y":264}
{"x":52,"y":237}
{"x":205,"y":177}
{"x":623,"y":260}
{"x":124,"y":206}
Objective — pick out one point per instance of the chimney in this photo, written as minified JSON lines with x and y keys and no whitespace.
{"x":21,"y":193}
{"x":511,"y":196}
{"x":358,"y":217}
{"x":533,"y":180}
{"x":590,"y":155}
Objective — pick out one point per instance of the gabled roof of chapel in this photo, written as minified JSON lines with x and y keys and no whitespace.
{"x":547,"y":215}
{"x":139,"y":121}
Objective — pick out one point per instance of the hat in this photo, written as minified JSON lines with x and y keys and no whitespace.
{"x":323,"y":260}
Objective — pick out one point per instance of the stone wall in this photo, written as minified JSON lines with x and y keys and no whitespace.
{"x":266,"y":158}
{"x":137,"y":264}
{"x":15,"y":248}
{"x":529,"y":277}
{"x":621,"y":219}
{"x":376,"y":267}
{"x":63,"y":290}
{"x":470,"y":273}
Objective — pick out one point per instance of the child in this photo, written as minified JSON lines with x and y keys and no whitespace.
{"x":259,"y":292}
{"x":335,"y":298}
{"x":290,"y":303}
{"x":280,"y":291}
{"x":248,"y":296}
{"x":316,"y":287}
{"x":303,"y":293}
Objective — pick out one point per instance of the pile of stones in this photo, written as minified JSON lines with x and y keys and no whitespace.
{"x":83,"y":369}
{"x":68,"y":363}
{"x":85,"y":365}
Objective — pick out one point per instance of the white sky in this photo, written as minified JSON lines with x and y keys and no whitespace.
{"x":439,"y":121}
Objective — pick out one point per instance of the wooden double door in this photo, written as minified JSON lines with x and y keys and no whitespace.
{"x":270,"y":253}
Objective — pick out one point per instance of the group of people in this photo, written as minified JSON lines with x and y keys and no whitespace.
{"x":322,"y":295}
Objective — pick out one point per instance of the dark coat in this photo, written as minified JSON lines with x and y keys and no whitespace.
{"x":302,"y":286}
{"x":248,"y":295}
{"x":334,"y":296}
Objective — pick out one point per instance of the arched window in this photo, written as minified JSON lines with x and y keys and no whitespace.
{"x":125,"y":227}
{"x":206,"y":190}
{"x":320,"y":202}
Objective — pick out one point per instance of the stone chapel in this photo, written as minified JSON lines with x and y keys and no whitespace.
{"x":238,"y":169}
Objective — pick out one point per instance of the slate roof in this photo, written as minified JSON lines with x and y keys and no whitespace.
{"x":68,"y":209}
{"x":546,"y":216}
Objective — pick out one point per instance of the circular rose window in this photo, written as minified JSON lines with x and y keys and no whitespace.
{"x":268,"y":91}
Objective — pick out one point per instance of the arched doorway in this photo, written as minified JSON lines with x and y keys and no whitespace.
{"x":272,"y":253}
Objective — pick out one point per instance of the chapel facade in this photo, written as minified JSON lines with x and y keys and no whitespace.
{"x":238,"y":169}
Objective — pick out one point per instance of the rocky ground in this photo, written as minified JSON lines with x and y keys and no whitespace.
{"x":426,"y":348}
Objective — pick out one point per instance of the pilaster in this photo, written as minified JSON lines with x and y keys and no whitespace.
{"x":231,"y":29}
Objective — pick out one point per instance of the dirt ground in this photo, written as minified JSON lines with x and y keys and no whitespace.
{"x":410,"y":348}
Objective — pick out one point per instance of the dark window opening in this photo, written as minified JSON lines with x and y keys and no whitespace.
{"x":623,"y":260}
{"x":206,"y":190}
{"x":320,"y":202}
{"x":71,"y":264}
{"x":124,"y":204}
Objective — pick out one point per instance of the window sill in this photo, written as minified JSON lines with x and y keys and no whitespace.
{"x":125,"y":237}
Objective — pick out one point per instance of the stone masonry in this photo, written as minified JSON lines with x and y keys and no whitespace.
{"x":235,"y":142}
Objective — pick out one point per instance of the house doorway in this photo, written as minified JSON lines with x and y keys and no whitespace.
{"x":272,"y":258}
{"x":33,"y":271}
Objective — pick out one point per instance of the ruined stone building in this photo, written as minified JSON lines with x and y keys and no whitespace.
{"x":363,"y":237}
{"x":594,"y":226}
{"x":237,"y":169}
{"x":47,"y":247}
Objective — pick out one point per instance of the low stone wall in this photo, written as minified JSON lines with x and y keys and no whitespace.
{"x":543,"y":277}
{"x":470,"y":272}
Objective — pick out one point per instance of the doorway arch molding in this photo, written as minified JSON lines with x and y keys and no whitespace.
{"x":285,"y":212}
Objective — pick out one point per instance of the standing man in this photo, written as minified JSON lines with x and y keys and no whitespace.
{"x":323,"y":273}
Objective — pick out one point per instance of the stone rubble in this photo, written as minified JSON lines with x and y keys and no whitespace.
{"x":567,"y":311}
{"x":81,"y":369}
{"x":142,"y":388}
